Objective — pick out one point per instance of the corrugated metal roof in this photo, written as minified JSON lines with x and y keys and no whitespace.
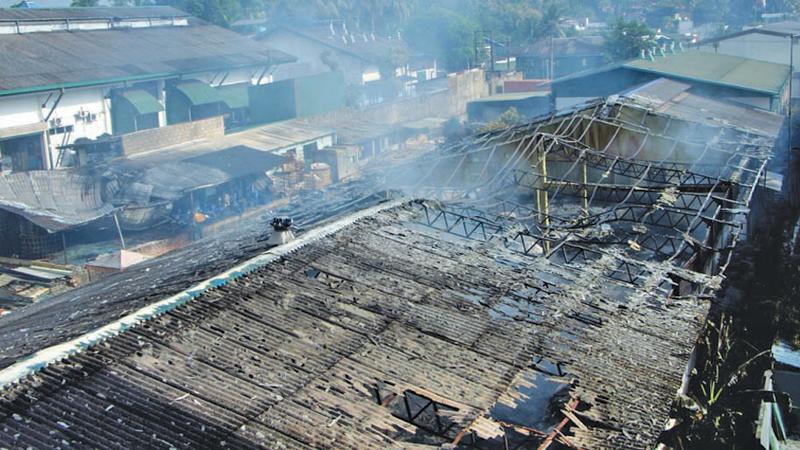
{"x":32,"y":61}
{"x":670,"y":97}
{"x":719,"y":69}
{"x":53,"y":200}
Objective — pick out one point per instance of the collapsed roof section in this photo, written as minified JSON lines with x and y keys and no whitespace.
{"x":53,"y":200}
{"x":617,"y":181}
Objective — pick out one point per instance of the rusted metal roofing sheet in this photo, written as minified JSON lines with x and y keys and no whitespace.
{"x":53,"y":200}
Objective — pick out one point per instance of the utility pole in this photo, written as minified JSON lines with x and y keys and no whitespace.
{"x":791,"y":82}
{"x":791,"y":152}
{"x":491,"y":49}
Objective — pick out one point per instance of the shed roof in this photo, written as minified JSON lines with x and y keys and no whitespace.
{"x":718,"y":69}
{"x":41,"y":61}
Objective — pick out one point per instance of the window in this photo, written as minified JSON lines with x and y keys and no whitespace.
{"x":61,"y":130}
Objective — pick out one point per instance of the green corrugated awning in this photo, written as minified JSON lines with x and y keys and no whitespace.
{"x":199,"y":93}
{"x":235,"y":95}
{"x":143,"y":101}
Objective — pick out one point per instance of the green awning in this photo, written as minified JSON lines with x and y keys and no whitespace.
{"x":235,"y":95}
{"x":142,"y":101}
{"x":199,"y":93}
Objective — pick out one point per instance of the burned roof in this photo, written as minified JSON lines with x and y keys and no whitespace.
{"x":53,"y":200}
{"x":552,"y":294}
{"x":49,"y":60}
{"x":388,"y":330}
{"x":63,"y":317}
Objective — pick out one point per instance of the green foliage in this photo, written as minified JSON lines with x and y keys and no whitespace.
{"x":509,"y":118}
{"x":626,"y":40}
{"x":83,"y":3}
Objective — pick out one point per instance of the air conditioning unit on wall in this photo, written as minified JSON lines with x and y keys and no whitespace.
{"x":85,"y":116}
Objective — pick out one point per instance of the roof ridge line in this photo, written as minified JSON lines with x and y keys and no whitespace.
{"x":55,"y":353}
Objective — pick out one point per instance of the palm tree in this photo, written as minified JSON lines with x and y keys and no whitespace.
{"x":550,"y":26}
{"x":388,"y":12}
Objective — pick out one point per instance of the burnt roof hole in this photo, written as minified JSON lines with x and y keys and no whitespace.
{"x":538,"y":404}
{"x":549,"y":367}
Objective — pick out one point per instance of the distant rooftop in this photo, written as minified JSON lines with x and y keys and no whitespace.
{"x":358,"y":43}
{"x":716,"y":68}
{"x":511,"y":96}
{"x":49,"y":14}
{"x":786,"y":26}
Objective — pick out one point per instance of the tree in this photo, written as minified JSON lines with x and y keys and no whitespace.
{"x":443,"y":33}
{"x":627,"y":39}
{"x":550,"y":26}
{"x":218,"y":12}
{"x":83,"y":3}
{"x":381,"y":15}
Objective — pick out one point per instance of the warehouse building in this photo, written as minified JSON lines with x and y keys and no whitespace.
{"x":68,"y":74}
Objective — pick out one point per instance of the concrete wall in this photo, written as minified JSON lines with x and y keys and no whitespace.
{"x":19,"y":110}
{"x":153,"y":139}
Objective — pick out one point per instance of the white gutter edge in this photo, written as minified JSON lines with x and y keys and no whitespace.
{"x":58,"y":352}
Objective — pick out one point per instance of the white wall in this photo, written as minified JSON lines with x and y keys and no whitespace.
{"x":322,"y":142}
{"x":19,"y":110}
{"x":308,"y":54}
{"x":89,"y":100}
{"x":762,"y":47}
